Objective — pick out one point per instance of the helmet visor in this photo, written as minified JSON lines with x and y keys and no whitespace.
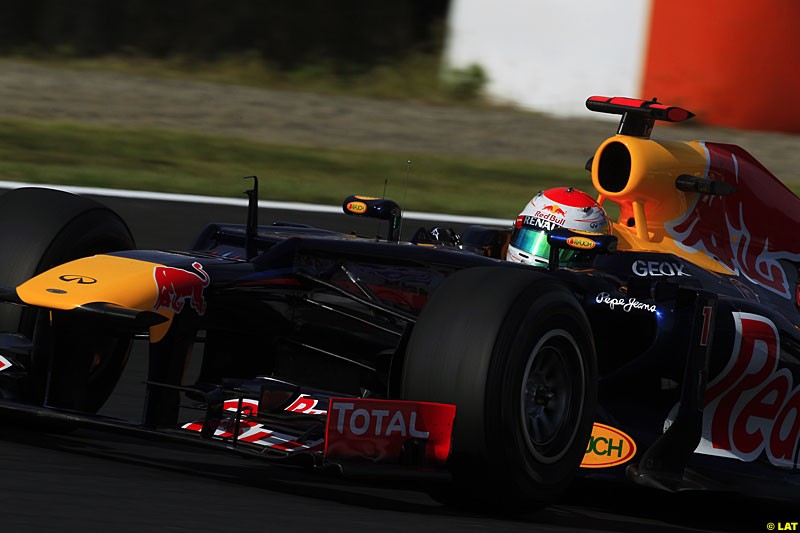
{"x":534,"y":243}
{"x":531,"y":241}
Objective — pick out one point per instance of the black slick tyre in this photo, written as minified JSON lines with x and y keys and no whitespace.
{"x":513,"y":350}
{"x":39,"y":229}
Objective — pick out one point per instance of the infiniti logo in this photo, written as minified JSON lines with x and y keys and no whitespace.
{"x":80,"y":280}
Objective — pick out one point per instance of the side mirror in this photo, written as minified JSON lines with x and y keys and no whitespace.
{"x":593,"y":243}
{"x":688,"y":183}
{"x":380,"y":208}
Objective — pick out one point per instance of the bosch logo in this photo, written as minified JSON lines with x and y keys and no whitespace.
{"x":80,"y":280}
{"x":581,"y":243}
{"x":357,"y":207}
{"x":608,"y":446}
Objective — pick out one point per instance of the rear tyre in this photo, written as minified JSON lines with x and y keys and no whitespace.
{"x":513,"y":350}
{"x":39,"y":229}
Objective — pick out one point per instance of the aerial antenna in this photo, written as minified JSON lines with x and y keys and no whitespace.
{"x":252,"y":218}
{"x":378,"y":227}
{"x":405,"y":195}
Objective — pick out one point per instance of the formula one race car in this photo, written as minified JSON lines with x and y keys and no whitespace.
{"x":668,"y":356}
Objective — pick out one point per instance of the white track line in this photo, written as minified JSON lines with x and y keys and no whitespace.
{"x":266,"y":204}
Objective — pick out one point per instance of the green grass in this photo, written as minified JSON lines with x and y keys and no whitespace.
{"x":416,"y":78}
{"x":158,"y":160}
{"x":125,"y":158}
{"x":77,"y":154}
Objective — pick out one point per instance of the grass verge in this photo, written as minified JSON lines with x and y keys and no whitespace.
{"x":416,"y":78}
{"x":167,"y":161}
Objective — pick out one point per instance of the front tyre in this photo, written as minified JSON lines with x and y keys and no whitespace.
{"x":39,"y":229}
{"x":513,"y":350}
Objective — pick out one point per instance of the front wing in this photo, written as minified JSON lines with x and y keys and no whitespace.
{"x":354,"y":437}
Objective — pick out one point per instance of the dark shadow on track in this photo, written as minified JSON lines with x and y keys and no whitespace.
{"x":588,"y":506}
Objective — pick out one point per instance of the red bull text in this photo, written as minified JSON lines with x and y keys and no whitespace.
{"x":753,"y":406}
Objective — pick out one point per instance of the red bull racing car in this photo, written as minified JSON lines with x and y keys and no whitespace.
{"x":668,"y":356}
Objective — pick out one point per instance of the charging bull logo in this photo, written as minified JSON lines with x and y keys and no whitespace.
{"x":176,"y":285}
{"x":748,"y":231}
{"x":555,"y":210}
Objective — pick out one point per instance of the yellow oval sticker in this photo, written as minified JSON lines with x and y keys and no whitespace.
{"x":581,"y":242}
{"x":365,"y":197}
{"x":608,"y":447}
{"x":357,"y":207}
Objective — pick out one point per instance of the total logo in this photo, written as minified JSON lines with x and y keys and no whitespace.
{"x":658,"y":268}
{"x":379,"y":430}
{"x":377,"y":422}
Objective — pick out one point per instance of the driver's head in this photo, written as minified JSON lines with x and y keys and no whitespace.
{"x":560,"y":207}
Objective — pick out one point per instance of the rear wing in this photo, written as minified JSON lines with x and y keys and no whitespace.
{"x":638,"y":116}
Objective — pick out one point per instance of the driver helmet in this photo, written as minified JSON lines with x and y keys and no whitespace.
{"x":560,"y":207}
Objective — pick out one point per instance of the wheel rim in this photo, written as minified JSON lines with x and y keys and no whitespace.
{"x":552,"y":396}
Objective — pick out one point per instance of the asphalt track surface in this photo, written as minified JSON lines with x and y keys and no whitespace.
{"x":90,"y":481}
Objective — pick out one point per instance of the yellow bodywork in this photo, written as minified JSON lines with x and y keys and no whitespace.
{"x":649,"y":198}
{"x":119,"y":281}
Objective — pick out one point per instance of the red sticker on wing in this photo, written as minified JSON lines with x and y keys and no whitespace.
{"x":380,"y":430}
